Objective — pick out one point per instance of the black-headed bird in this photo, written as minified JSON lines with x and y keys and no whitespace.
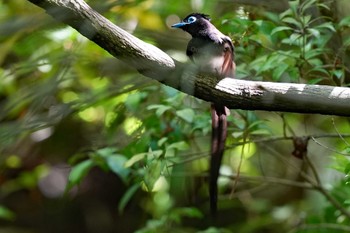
{"x":212,"y":52}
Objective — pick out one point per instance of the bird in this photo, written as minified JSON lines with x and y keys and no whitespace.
{"x":212,"y":52}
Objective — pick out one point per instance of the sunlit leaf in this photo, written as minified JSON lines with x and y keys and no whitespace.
{"x":134,"y":159}
{"x":6,"y":214}
{"x":152,"y":173}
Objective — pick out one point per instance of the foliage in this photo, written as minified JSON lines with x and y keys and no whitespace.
{"x":86,"y":139}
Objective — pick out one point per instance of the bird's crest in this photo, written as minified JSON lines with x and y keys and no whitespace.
{"x":201,"y":15}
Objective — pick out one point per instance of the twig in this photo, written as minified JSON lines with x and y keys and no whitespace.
{"x":273,"y":180}
{"x":336,"y":130}
{"x":313,"y":169}
{"x":328,"y":148}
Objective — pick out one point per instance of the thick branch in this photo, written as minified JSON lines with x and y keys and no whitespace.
{"x":286,"y":97}
{"x":154,"y":63}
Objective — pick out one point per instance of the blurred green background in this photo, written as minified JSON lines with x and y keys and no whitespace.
{"x":89,"y":145}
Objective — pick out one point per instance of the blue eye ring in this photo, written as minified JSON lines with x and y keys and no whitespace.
{"x":191,"y":19}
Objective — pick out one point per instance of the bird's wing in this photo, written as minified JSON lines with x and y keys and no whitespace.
{"x":228,"y":67}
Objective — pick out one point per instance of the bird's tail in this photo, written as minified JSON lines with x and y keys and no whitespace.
{"x":219,"y":131}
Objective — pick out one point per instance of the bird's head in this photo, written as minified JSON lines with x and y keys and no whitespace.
{"x":194,"y":23}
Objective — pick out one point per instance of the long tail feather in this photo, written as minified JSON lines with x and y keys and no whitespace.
{"x":219,"y":131}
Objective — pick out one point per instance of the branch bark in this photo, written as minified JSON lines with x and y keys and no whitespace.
{"x":156,"y":64}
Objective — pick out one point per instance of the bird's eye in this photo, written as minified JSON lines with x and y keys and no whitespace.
{"x":191,"y":19}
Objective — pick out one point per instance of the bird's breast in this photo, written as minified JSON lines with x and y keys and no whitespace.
{"x":208,"y":56}
{"x":208,"y":63}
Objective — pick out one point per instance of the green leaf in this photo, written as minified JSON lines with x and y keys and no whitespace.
{"x":347,"y":168}
{"x":134,"y":159}
{"x":315,"y":80}
{"x":117,"y":164}
{"x":186,"y":114}
{"x":314,"y":32}
{"x":160,"y":109}
{"x":188,"y":212}
{"x":116,"y":117}
{"x":313,"y":53}
{"x":338,"y":73}
{"x":321,"y":5}
{"x":162,"y":141}
{"x":315,"y":62}
{"x":306,"y":5}
{"x":286,"y":13}
{"x":280,"y":29}
{"x":179,"y":146}
{"x":258,"y":63}
{"x":341,"y":164}
{"x":127,"y":196}
{"x":292,"y":21}
{"x":171,"y":149}
{"x":215,"y":230}
{"x":278,"y":71}
{"x":320,"y":70}
{"x":326,"y":25}
{"x":78,"y":172}
{"x":6,"y":214}
{"x":345,"y":22}
{"x":265,"y":27}
{"x":177,"y":214}
{"x":106,"y":152}
{"x":154,"y":154}
{"x":152,"y":173}
{"x":346,"y":42}
{"x":294,"y":39}
{"x":133,"y":100}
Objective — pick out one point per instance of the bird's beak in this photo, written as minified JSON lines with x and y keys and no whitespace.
{"x":179,"y":25}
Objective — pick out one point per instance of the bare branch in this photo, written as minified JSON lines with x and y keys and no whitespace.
{"x":154,"y":63}
{"x":270,"y":180}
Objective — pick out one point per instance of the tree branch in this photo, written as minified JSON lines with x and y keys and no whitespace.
{"x":154,"y":63}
